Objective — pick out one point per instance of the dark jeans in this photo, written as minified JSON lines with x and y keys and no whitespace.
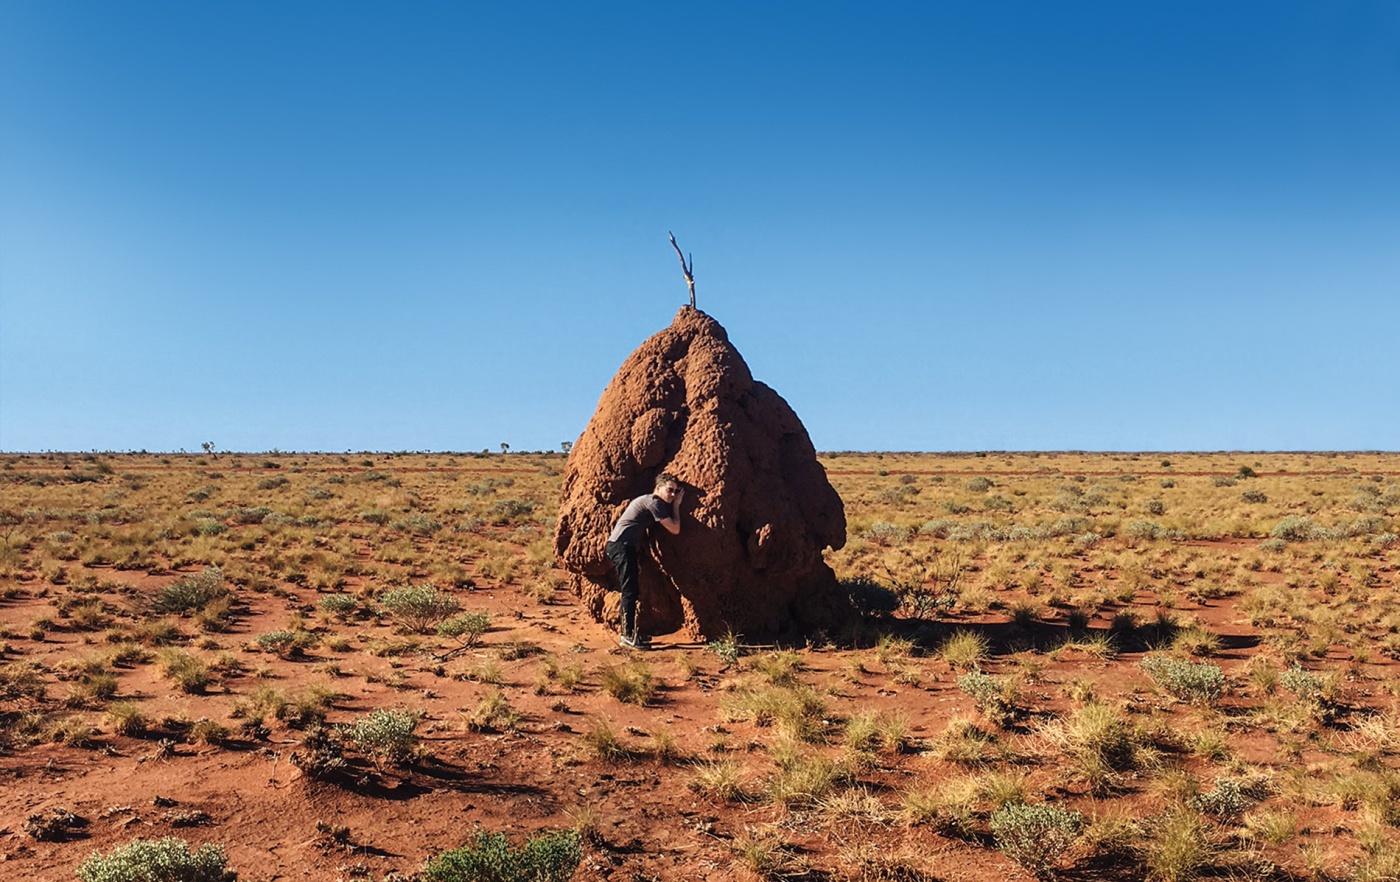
{"x":624,"y":560}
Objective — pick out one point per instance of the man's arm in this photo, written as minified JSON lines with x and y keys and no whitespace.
{"x":673,"y":523}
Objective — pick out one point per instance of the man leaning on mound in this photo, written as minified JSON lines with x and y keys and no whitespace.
{"x":661,"y":506}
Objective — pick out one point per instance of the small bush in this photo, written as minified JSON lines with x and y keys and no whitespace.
{"x":207,"y":732}
{"x":1225,"y":803}
{"x":1294,"y":529}
{"x":418,"y":524}
{"x":192,"y":592}
{"x":248,"y":516}
{"x":466,"y":629}
{"x":419,"y":608}
{"x":994,"y":697}
{"x":803,"y":779}
{"x":728,"y":648}
{"x":1196,"y":682}
{"x":1145,"y":530}
{"x":338,"y":604}
{"x":165,"y":860}
{"x":602,"y":739}
{"x":1035,"y":836}
{"x":489,"y":857}
{"x":780,"y":668}
{"x":1304,"y":684}
{"x":385,"y":736}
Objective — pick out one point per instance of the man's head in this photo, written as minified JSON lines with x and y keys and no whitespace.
{"x":666,"y":486}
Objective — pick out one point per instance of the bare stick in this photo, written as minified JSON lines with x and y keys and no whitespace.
{"x":687,"y":268}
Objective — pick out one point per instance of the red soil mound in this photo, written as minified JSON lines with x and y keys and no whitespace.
{"x":758,"y":510}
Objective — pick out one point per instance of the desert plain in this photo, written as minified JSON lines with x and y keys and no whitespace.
{"x":1091,"y":666}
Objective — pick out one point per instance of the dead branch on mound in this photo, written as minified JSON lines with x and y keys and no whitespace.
{"x":687,"y":268}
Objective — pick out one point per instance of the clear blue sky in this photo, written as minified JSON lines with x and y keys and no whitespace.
{"x":929,"y":226}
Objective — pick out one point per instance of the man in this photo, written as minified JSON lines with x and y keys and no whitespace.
{"x":661,"y":506}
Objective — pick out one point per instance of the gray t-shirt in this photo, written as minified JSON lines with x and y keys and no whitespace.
{"x":641,"y":513}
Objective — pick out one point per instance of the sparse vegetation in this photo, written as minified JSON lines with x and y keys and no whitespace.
{"x":164,"y":859}
{"x":1203,"y":668}
{"x":489,"y":857}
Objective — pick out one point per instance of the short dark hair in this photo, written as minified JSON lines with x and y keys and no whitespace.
{"x":666,"y":479}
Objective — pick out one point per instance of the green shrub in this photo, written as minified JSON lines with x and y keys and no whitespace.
{"x":191,"y":592}
{"x":1142,"y":530}
{"x":552,"y":857}
{"x":338,"y":604}
{"x":1304,"y":684}
{"x":418,"y":608}
{"x":419,"y":524}
{"x":1226,"y":802}
{"x":728,"y":648}
{"x":1035,"y":836}
{"x":995,"y":697}
{"x":165,"y":860}
{"x":1294,"y":529}
{"x":466,"y":628}
{"x":1196,"y":682}
{"x":385,"y":736}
